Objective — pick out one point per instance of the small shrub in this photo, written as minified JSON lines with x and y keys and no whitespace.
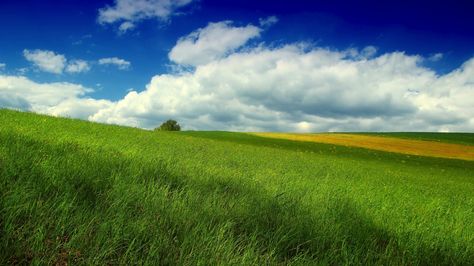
{"x":170,"y":125}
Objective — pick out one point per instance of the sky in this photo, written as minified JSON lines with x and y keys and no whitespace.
{"x":299,"y":66}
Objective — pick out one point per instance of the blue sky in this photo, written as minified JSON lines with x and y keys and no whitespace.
{"x":139,"y":62}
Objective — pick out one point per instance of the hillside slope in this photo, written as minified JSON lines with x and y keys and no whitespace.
{"x":85,"y":193}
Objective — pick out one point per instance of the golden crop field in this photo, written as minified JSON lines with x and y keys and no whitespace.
{"x":390,"y":144}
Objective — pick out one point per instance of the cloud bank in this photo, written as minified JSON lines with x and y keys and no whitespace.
{"x":59,"y":98}
{"x":294,"y":87}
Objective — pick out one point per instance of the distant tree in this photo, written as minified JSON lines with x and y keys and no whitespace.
{"x":170,"y":125}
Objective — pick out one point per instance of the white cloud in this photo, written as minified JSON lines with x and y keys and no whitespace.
{"x":47,"y":61}
{"x":126,"y":26}
{"x":52,"y":62}
{"x":292,"y":88}
{"x":129,"y":12}
{"x":2,"y":66}
{"x":211,"y":43}
{"x":59,"y":98}
{"x":77,"y":66}
{"x":78,"y":107}
{"x":120,"y":63}
{"x":41,"y":94}
{"x":268,"y":21}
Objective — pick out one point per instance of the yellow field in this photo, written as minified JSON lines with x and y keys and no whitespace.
{"x":398,"y":145}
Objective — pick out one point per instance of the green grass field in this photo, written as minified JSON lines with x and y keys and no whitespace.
{"x":83,"y":193}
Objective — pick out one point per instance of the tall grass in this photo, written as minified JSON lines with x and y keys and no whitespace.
{"x":86,"y":193}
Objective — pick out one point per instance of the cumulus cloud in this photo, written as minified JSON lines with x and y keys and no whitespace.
{"x":41,"y":94}
{"x":77,"y":66}
{"x":46,"y":61}
{"x":130,"y":12}
{"x":293,"y":88}
{"x":120,"y":63}
{"x":78,"y":107}
{"x":211,"y":43}
{"x":59,"y":98}
{"x":49,"y":61}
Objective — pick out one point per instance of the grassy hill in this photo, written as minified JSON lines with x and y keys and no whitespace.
{"x":85,"y":193}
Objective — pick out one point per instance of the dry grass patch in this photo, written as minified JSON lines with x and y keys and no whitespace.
{"x":405,"y":146}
